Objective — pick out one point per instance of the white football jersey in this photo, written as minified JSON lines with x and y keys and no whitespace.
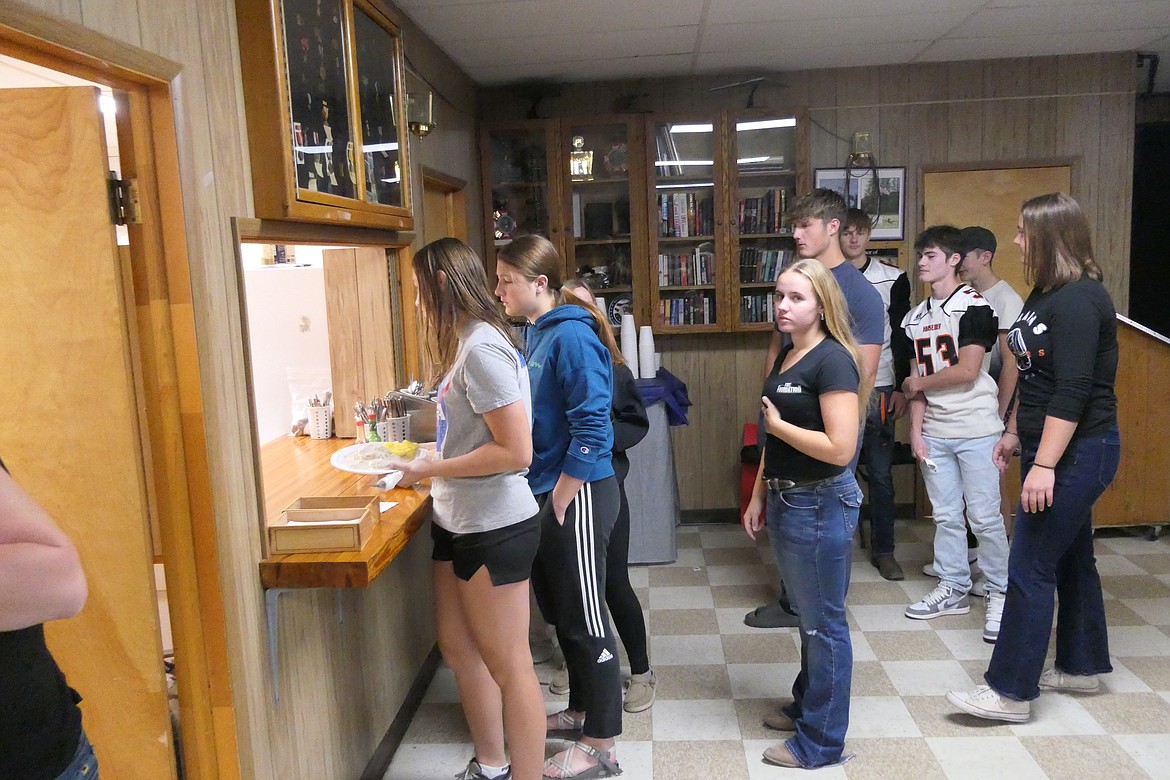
{"x":938,"y":330}
{"x":882,"y":277}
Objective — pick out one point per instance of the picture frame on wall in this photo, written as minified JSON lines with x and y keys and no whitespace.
{"x":884,"y":199}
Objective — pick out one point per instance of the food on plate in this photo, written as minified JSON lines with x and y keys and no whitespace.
{"x":403,"y":450}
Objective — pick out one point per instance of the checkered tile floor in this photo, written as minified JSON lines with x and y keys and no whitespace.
{"x":718,"y":678}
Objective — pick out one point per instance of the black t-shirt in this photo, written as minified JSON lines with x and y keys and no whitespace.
{"x":796,"y":393}
{"x":40,"y":723}
{"x":1065,"y":343}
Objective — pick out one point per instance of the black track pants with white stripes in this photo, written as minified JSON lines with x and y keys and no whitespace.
{"x":568,"y":578}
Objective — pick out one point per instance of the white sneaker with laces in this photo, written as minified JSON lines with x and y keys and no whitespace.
{"x":1056,"y":680}
{"x":994,"y":602}
{"x":984,"y":702}
{"x":943,"y":600}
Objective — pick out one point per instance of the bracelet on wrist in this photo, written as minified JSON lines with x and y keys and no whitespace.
{"x":1006,"y":432}
{"x":1042,"y":466}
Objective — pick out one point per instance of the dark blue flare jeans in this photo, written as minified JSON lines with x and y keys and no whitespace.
{"x":811,"y":531}
{"x":1052,"y":555}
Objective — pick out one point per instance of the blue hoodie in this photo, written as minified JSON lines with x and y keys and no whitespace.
{"x":571,"y":374}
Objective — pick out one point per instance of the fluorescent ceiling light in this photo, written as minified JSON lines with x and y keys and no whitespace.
{"x":388,"y":146}
{"x":669,"y":163}
{"x":681,"y":186}
{"x":751,"y":160}
{"x":766,"y":124}
{"x":314,"y":149}
{"x":395,"y":180}
{"x":692,"y":128}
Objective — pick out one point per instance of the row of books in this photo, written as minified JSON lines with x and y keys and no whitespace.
{"x":682,"y":214}
{"x":764,"y":214}
{"x":679,"y":268}
{"x":757,"y":307}
{"x":762,"y":265}
{"x":691,"y":309}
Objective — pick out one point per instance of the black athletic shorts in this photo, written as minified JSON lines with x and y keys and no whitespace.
{"x":507,"y":552}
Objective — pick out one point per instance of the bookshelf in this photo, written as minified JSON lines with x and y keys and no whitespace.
{"x":676,"y":219}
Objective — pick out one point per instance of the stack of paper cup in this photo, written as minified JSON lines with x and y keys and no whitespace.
{"x":646,"y":368}
{"x":629,"y":342}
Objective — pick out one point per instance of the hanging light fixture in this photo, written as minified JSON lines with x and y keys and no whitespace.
{"x":420,"y":112}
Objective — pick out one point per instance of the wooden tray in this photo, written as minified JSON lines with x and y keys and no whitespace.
{"x":324,"y":524}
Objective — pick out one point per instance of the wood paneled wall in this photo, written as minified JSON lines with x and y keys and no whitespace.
{"x":346,"y":658}
{"x":934,"y":114}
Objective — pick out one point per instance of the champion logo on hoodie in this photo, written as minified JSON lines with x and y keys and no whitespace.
{"x":584,"y":450}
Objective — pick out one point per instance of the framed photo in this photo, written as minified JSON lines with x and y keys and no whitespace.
{"x":884,"y":199}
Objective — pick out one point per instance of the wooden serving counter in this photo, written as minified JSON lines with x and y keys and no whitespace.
{"x":292,"y":467}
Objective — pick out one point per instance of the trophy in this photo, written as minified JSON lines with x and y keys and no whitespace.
{"x":580,"y":161}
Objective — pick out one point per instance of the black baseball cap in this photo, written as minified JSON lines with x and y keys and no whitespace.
{"x":977,"y":237}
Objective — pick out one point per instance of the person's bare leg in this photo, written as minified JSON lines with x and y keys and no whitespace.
{"x":497,"y":617}
{"x":478,"y":692}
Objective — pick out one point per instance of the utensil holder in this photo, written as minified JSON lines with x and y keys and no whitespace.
{"x":394,"y":429}
{"x":320,"y":422}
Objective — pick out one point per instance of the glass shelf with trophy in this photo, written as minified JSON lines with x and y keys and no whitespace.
{"x":603,"y":226}
{"x":519,"y":190}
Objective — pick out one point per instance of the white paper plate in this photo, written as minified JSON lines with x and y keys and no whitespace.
{"x":368,"y":458}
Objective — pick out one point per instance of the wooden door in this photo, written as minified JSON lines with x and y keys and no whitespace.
{"x":992,"y":198}
{"x":71,"y":435}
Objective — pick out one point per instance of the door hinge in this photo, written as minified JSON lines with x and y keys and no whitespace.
{"x":124,"y":201}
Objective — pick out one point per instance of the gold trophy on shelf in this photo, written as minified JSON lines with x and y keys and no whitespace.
{"x":580,"y":161}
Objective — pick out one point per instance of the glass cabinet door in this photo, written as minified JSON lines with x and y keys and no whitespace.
{"x":518,"y":181}
{"x":602,"y":227}
{"x":765,"y":180}
{"x":684,"y":270}
{"x":379,"y":97}
{"x":315,"y":46}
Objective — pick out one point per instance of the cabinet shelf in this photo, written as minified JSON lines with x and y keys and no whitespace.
{"x":765,"y":235}
{"x":786,"y":173}
{"x":597,"y":182}
{"x":685,"y":287}
{"x":600,"y":241}
{"x":683,"y":239}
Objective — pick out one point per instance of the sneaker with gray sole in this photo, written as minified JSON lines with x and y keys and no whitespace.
{"x":994,"y":616}
{"x":475,"y":772}
{"x":985,"y":702}
{"x":640,"y":694}
{"x":943,"y":600}
{"x":1056,"y":680}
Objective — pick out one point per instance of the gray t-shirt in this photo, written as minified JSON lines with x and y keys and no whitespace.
{"x":488,"y":373}
{"x":1007,"y":304}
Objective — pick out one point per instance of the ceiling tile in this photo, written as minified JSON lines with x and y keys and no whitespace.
{"x":593,"y":69}
{"x":1036,"y":46}
{"x":568,"y":46}
{"x":789,"y":58}
{"x":995,"y":22}
{"x":526,"y":17}
{"x":739,"y":11}
{"x":827,"y":33}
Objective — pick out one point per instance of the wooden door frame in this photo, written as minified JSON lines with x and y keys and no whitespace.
{"x":161,"y":322}
{"x":1072,"y":162}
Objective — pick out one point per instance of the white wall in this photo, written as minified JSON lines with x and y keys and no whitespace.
{"x":286,"y":330}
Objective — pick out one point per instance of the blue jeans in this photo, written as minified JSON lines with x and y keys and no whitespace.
{"x":877,"y":453}
{"x":965,"y":478}
{"x":811,"y":530}
{"x":1052,"y":554}
{"x":84,"y":765}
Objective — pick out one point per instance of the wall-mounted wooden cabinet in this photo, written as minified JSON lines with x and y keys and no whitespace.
{"x":682,"y":214}
{"x":326,"y":112}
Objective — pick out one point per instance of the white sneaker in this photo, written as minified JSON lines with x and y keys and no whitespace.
{"x":943,"y":600}
{"x":1056,"y":680}
{"x":994,"y":602}
{"x":984,"y":702}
